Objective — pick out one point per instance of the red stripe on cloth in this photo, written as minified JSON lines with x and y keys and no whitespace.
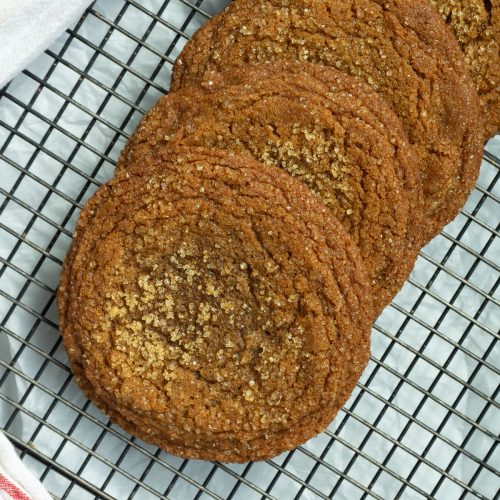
{"x":12,"y":490}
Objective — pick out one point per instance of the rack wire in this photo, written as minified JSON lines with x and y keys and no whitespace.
{"x":423,"y":421}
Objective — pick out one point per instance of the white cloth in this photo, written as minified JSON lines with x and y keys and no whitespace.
{"x":16,"y":481}
{"x":28,"y":27}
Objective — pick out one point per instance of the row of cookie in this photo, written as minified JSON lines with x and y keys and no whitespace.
{"x":211,"y":303}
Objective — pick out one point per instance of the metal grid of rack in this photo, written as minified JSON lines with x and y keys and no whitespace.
{"x":424,"y":419}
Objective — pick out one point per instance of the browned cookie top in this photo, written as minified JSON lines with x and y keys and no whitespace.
{"x":213,"y":307}
{"x":327,"y":129}
{"x":476,"y":24}
{"x":402,"y":48}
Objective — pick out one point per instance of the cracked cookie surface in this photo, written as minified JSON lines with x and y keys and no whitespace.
{"x":327,"y":129}
{"x":401,"y":48}
{"x":214,"y":308}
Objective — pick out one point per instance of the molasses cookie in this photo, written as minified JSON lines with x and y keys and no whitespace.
{"x":327,"y":129}
{"x":402,"y":48}
{"x":476,"y":24}
{"x":213,"y":307}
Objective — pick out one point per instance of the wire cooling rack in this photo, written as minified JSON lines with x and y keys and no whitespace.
{"x":422,"y":423}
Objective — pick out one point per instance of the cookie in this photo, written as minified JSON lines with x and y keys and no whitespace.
{"x":402,"y":48}
{"x":327,"y":129}
{"x":214,"y":307}
{"x":476,"y":24}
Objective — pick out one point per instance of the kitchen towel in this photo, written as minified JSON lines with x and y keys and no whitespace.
{"x":28,"y":27}
{"x":16,"y":481}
